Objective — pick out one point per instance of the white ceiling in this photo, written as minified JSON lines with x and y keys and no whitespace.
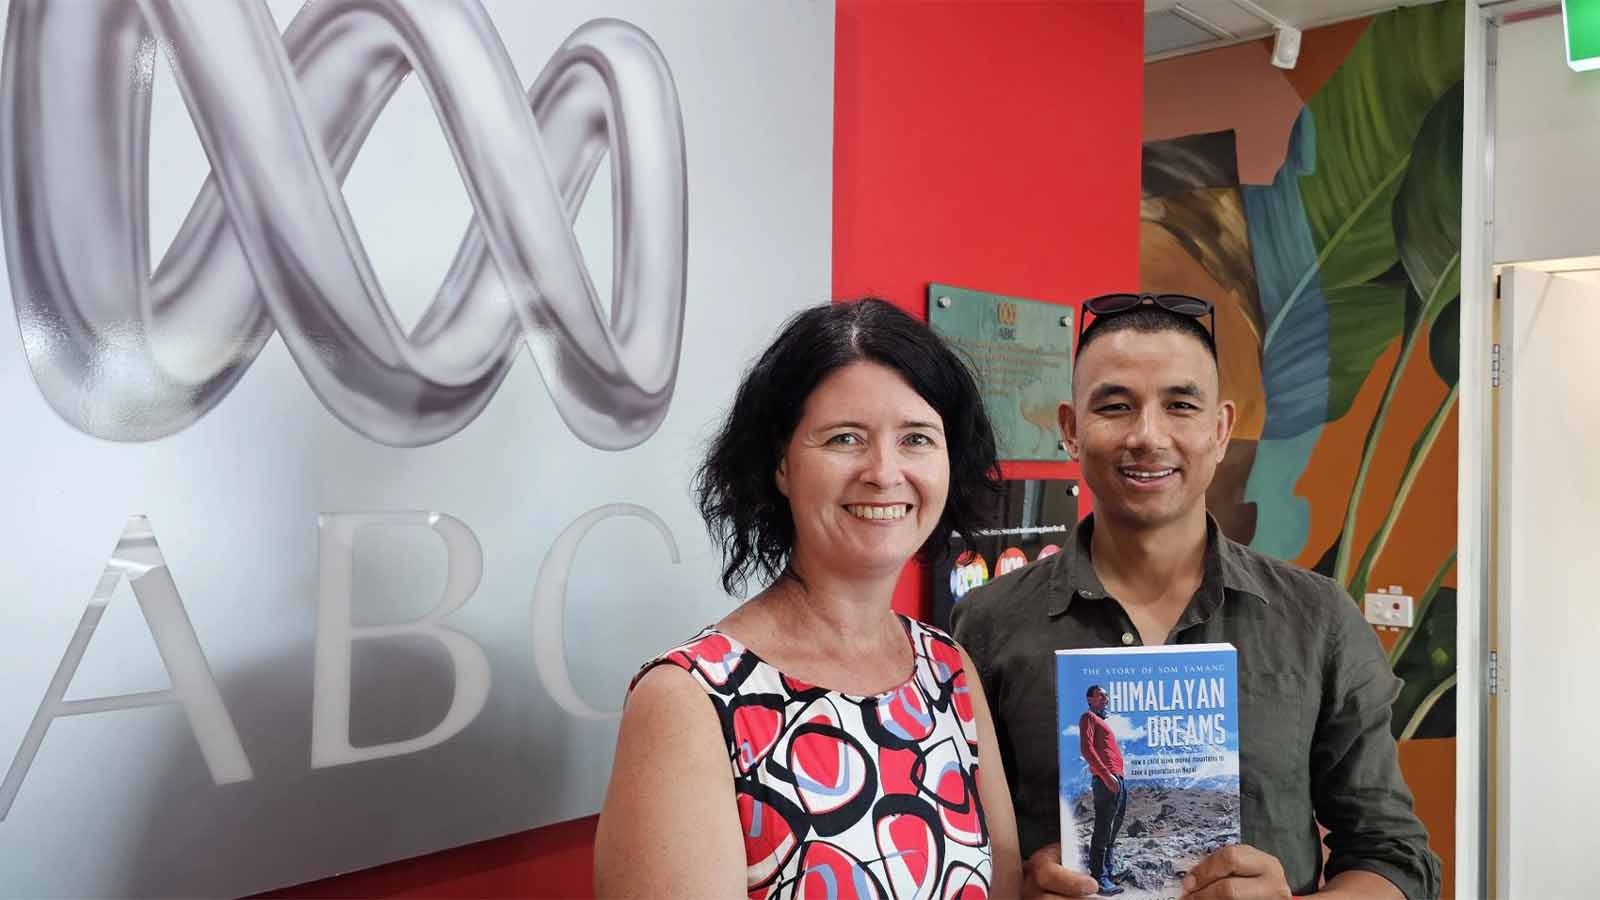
{"x":1175,"y":27}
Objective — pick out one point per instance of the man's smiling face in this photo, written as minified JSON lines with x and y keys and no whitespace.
{"x":1147,"y":425}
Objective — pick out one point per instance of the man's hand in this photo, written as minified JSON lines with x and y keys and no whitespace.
{"x":1239,"y":872}
{"x":1044,"y":878}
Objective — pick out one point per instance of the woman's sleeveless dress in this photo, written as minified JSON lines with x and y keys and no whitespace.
{"x":844,"y":796}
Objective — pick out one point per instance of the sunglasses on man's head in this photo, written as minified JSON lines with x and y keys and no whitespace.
{"x":1116,"y":304}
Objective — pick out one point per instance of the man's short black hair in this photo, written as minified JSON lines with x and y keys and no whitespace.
{"x":1090,"y":692}
{"x":1147,"y":319}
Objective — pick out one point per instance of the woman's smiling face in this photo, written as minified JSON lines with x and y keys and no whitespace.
{"x":866,"y":473}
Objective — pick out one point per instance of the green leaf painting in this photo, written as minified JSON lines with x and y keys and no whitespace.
{"x":1370,"y":317}
{"x":1427,"y":228}
{"x":1364,"y":124}
{"x":1444,"y":344}
{"x":1368,"y":115}
{"x":1427,"y":212}
{"x":1426,"y":664}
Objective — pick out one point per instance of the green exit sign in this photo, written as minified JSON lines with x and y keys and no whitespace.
{"x":1581,"y":21}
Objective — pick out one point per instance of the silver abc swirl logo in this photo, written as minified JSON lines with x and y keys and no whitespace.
{"x":129,"y":355}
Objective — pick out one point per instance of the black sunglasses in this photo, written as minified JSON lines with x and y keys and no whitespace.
{"x":1116,"y":304}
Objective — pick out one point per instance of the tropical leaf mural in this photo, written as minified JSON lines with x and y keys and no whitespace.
{"x":1427,"y":228}
{"x":1368,"y":115}
{"x":1354,"y":253}
{"x":1294,"y":349}
{"x":1370,"y":316}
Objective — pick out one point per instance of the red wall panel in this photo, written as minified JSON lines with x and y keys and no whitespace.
{"x":991,"y":144}
{"x":543,"y":864}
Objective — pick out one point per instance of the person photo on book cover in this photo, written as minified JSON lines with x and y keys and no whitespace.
{"x":1104,"y":757}
{"x":1148,"y":423}
{"x":814,"y":742}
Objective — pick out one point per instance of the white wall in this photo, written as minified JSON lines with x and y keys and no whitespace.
{"x":1548,"y":622}
{"x":125,"y":803}
{"x":1547,"y":142}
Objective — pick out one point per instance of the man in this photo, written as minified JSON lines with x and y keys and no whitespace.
{"x":1148,"y":426}
{"x":1100,"y":750}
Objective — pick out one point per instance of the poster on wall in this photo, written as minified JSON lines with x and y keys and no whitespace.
{"x":1030,"y":522}
{"x":358,"y":359}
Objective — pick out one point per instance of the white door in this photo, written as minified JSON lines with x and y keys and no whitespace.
{"x":1548,"y":606}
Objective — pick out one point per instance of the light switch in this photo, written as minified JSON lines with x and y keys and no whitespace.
{"x":1396,"y":610}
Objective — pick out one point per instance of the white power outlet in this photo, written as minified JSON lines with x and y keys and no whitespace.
{"x":1395,"y":610}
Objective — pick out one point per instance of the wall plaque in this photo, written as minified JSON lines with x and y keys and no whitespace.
{"x":1022,"y":350}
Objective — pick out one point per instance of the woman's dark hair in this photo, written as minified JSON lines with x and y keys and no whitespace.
{"x":736,"y":486}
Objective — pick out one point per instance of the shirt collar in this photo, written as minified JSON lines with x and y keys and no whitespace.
{"x":1073,"y":570}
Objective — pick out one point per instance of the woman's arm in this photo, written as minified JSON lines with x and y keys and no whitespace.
{"x":670,"y":824}
{"x":994,"y":793}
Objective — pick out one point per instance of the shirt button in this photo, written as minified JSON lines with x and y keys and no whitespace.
{"x":1127,"y":638}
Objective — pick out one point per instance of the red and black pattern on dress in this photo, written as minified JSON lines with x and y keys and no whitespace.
{"x":850,"y":796}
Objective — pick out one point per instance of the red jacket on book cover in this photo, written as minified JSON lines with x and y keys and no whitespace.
{"x":1100,"y":750}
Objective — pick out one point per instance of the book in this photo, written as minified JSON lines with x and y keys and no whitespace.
{"x":1149,"y":755}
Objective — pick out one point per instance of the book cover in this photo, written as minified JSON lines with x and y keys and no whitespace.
{"x":1149,"y":746}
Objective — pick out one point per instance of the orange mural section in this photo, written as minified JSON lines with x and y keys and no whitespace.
{"x":1425,"y":533}
{"x":1430,"y":770}
{"x":1233,"y":88}
{"x":1322,"y":52}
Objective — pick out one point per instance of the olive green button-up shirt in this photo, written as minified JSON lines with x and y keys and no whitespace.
{"x":1315,"y":690}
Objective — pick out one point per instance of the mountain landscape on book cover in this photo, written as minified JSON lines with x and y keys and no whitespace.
{"x":1149,"y":755}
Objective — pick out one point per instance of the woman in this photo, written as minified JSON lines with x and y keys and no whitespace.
{"x":857,"y":440}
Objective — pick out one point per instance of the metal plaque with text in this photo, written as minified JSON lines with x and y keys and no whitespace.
{"x":1022,"y":351}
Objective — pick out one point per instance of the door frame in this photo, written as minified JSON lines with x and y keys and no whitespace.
{"x":1476,"y":869}
{"x":1481,"y":854}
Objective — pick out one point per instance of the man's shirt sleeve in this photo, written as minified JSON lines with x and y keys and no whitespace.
{"x":1357,"y":788}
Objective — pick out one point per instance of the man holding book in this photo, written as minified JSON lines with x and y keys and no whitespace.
{"x":1148,"y":425}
